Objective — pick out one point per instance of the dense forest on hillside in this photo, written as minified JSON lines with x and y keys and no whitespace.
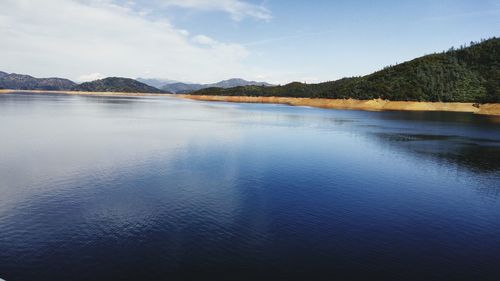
{"x":116,"y":84}
{"x":112,"y":84}
{"x":467,"y":74}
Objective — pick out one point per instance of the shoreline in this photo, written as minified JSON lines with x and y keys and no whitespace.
{"x":78,"y":93}
{"x":344,"y":104}
{"x":352,"y":104}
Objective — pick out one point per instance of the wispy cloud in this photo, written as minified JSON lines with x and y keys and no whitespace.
{"x":238,"y":9}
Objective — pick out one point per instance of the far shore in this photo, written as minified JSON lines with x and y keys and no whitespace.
{"x":348,"y":104}
{"x":115,"y":94}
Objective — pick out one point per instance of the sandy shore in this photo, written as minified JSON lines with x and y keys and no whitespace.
{"x":370,"y":105}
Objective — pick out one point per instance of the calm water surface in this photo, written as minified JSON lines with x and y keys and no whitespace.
{"x":149,"y":188}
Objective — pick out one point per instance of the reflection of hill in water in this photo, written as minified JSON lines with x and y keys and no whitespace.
{"x":478,"y":155}
{"x":481,"y":156}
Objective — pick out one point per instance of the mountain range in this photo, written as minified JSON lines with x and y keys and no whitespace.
{"x":181,"y":88}
{"x":26,"y":82}
{"x":112,"y":84}
{"x":15,"y":81}
{"x":156,"y":82}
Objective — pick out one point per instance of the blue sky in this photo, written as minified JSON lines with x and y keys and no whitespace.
{"x":208,"y":40}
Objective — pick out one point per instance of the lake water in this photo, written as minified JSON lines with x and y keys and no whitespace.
{"x":158,"y":188}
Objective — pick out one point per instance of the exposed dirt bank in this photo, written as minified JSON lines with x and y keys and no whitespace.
{"x":371,"y":105}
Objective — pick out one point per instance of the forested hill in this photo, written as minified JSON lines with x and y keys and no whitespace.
{"x":26,"y":82}
{"x":111,"y":84}
{"x":116,"y":84}
{"x":468,"y":74}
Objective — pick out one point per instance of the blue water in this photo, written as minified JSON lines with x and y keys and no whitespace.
{"x":158,"y":188}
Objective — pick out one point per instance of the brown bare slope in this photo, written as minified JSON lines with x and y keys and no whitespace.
{"x":370,"y":105}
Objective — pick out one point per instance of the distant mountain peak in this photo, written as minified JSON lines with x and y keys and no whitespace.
{"x":156,"y":82}
{"x":179,"y":87}
{"x":235,"y":80}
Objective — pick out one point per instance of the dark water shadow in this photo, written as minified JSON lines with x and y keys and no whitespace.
{"x":476,"y":154}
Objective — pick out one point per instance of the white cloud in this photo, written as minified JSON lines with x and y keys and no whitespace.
{"x":204,"y":40}
{"x":90,"y":77}
{"x":71,"y":38}
{"x":236,"y":8}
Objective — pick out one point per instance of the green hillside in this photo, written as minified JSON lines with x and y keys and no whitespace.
{"x":468,"y":74}
{"x":116,"y":84}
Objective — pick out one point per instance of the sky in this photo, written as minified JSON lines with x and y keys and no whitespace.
{"x":205,"y":41}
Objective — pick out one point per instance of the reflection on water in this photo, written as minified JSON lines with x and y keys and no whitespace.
{"x":149,"y":188}
{"x":479,"y":155}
